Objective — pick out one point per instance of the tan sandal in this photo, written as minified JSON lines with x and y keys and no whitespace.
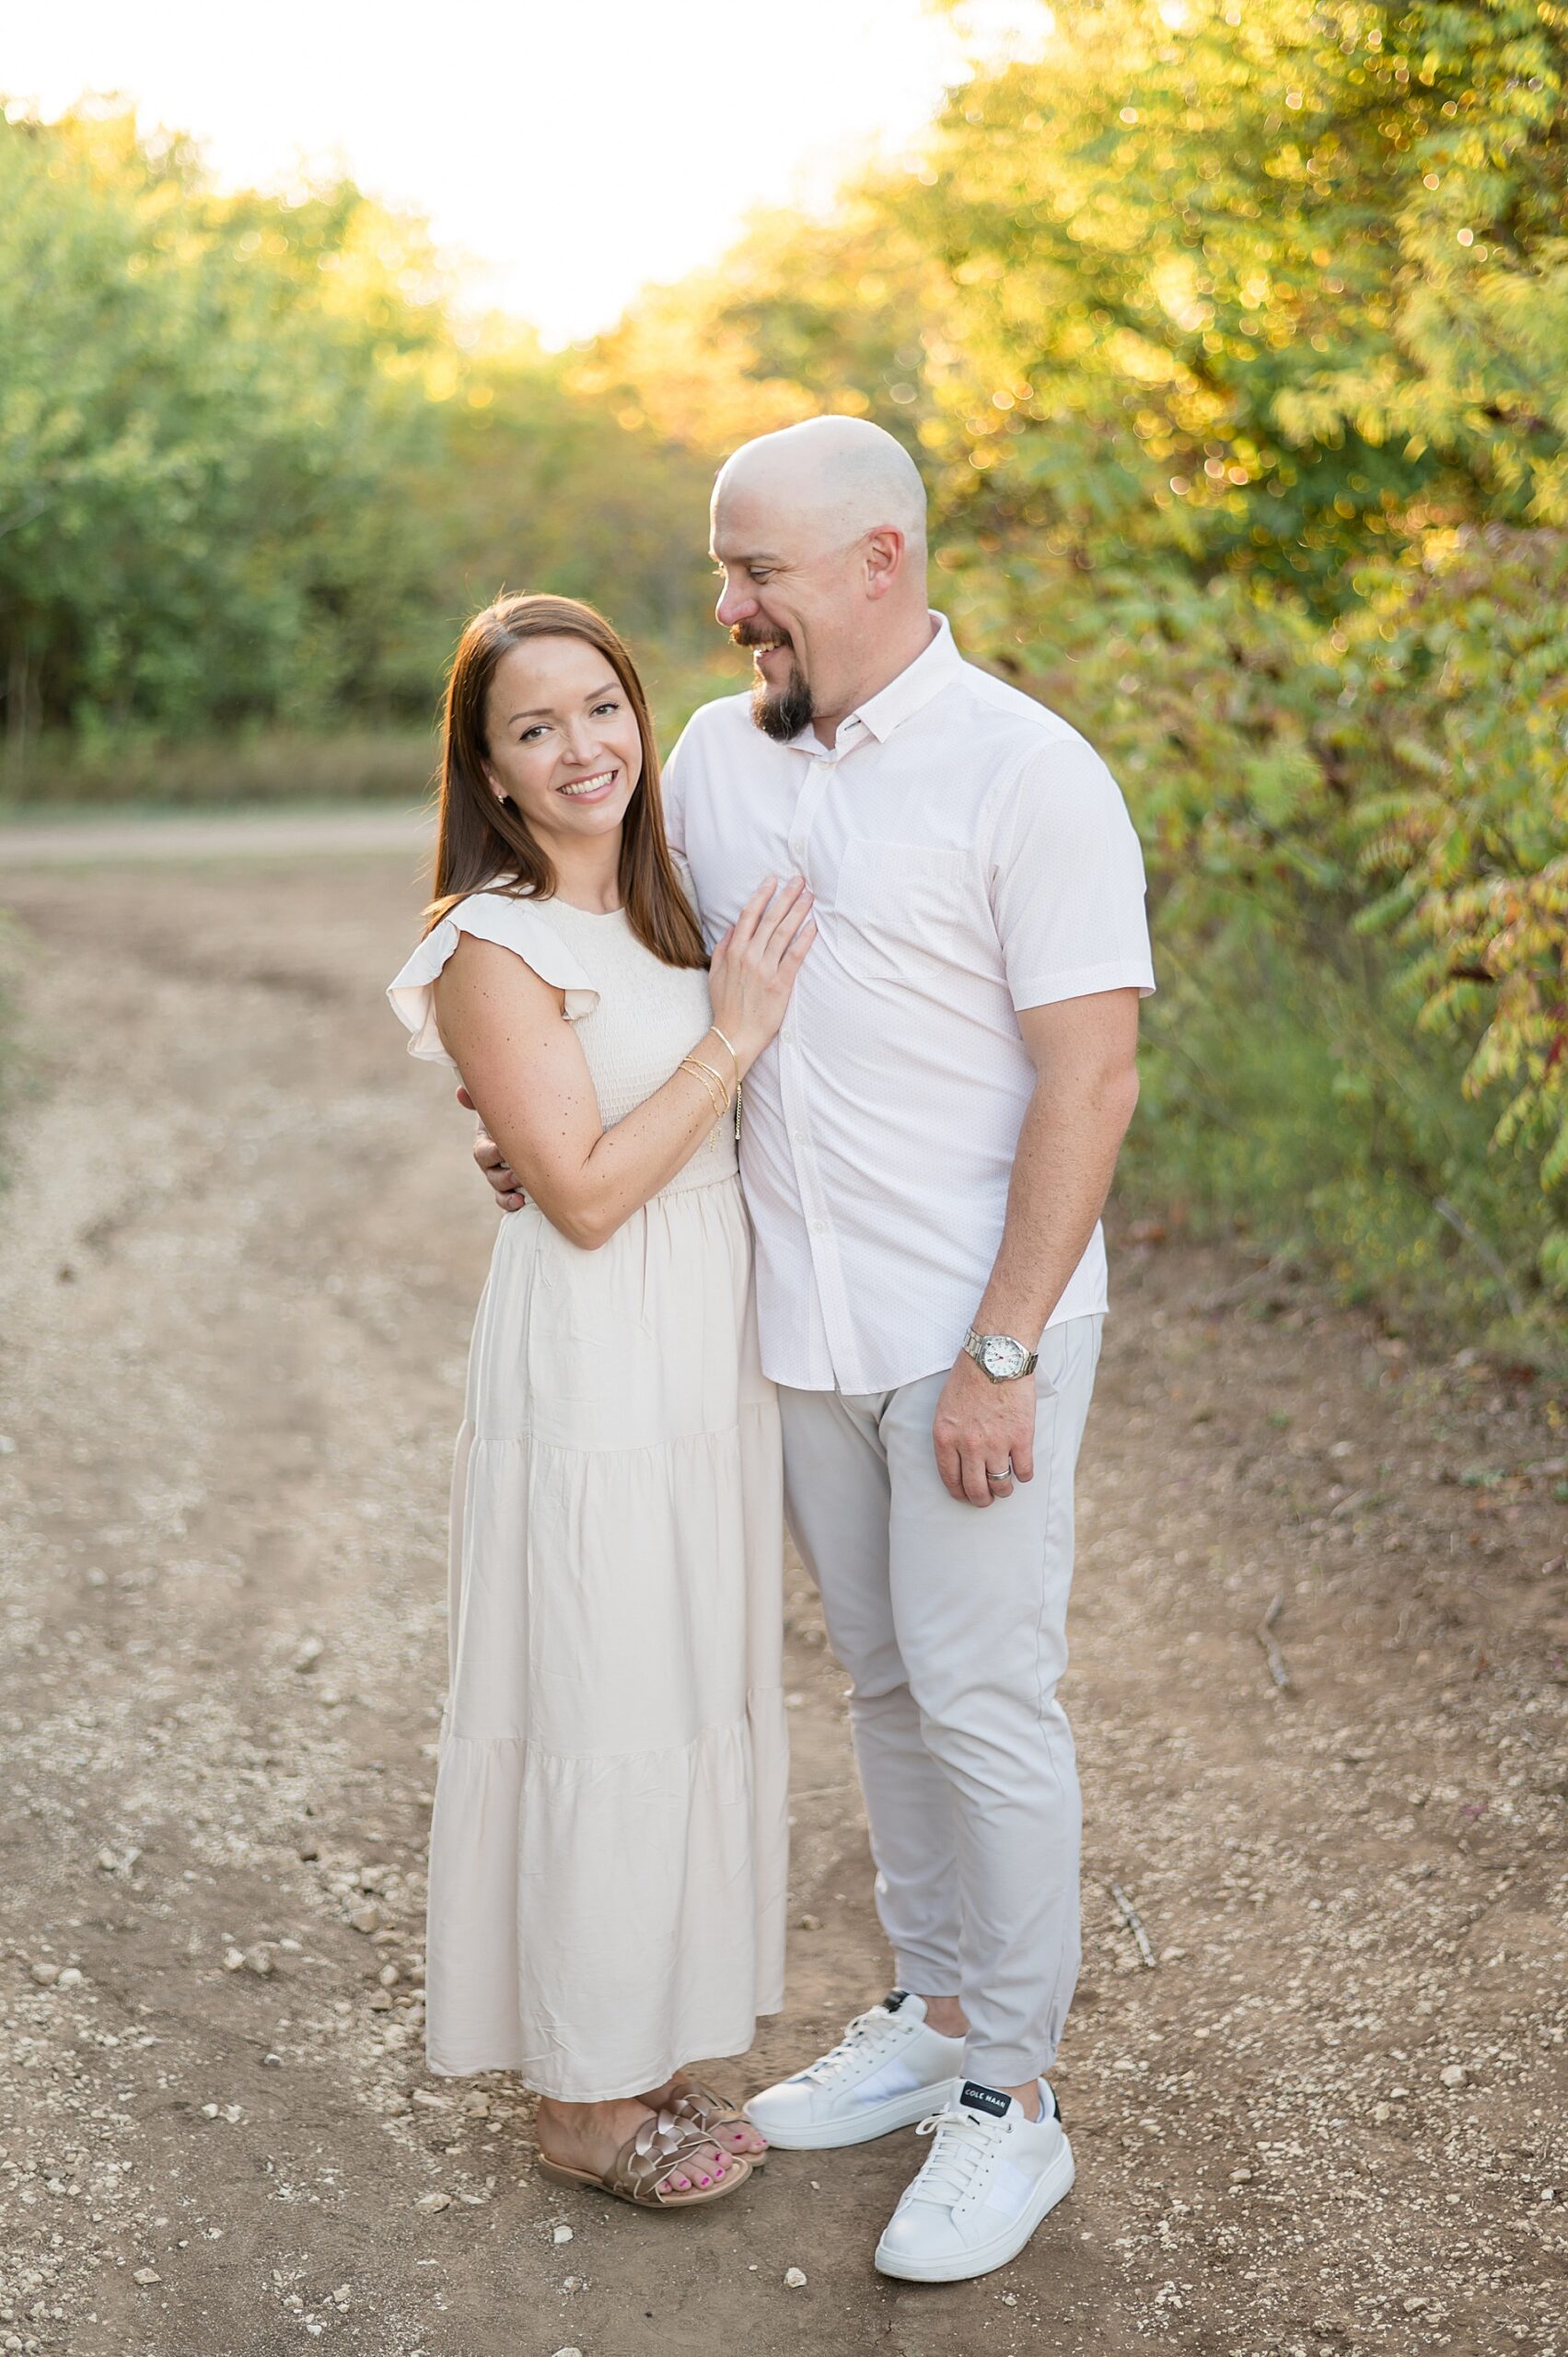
{"x":661,"y":2145}
{"x":709,"y":2111}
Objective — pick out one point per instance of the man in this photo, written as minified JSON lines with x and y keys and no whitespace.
{"x":926,"y":1149}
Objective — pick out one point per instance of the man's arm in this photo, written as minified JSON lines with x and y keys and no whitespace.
{"x":492,"y":1162}
{"x":1085,"y":1052}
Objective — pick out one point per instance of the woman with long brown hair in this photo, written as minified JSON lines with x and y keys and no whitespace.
{"x":607,"y":1848}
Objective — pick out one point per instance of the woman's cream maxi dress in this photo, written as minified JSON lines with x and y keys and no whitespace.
{"x":607,"y":1851}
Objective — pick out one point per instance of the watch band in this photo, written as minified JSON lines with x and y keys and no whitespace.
{"x":975,"y":1345}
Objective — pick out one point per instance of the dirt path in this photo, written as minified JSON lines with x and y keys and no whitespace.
{"x":240,"y":1257}
{"x":93,"y":838}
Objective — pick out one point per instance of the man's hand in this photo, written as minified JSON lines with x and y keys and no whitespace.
{"x":984,"y":1434}
{"x":488,"y":1155}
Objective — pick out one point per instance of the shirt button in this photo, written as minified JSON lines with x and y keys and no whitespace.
{"x":798,"y":851}
{"x":800,"y":1137}
{"x":788,"y":1036}
{"x":818,"y":1227}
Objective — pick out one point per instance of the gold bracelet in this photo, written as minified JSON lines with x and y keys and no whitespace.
{"x":720,"y":1103}
{"x":717,"y":1077}
{"x":735,"y":1060}
{"x":712,"y":1104}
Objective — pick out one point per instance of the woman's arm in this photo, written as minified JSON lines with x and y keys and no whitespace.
{"x":521,"y":1062}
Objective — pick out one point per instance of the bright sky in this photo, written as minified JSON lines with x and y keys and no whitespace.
{"x":574,"y":149}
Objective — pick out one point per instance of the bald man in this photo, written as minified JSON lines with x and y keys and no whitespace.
{"x":926,"y":1149}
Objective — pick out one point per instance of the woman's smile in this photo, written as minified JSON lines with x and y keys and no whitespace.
{"x":597,"y":788}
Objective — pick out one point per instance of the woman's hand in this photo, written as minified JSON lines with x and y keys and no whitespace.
{"x":754,"y":966}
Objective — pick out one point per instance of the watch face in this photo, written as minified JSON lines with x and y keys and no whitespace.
{"x":1002,"y":1357}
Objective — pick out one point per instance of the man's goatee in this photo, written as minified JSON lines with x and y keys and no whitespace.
{"x":782,"y":712}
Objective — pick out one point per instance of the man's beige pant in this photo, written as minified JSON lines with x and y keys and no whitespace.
{"x":951,"y":1620}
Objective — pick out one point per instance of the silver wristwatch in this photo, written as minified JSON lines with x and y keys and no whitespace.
{"x":999,"y":1356}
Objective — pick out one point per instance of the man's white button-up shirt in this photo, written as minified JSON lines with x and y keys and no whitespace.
{"x":970,"y":855}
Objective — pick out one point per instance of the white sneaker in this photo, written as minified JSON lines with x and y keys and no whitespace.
{"x":885,"y":2073}
{"x":991,"y":2177}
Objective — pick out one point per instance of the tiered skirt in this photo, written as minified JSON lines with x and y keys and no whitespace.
{"x":609,"y":1846}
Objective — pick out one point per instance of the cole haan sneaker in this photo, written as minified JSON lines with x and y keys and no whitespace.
{"x":886,"y":2071}
{"x":991,"y":2175}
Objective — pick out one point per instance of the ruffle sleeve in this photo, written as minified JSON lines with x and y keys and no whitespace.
{"x":514,"y":925}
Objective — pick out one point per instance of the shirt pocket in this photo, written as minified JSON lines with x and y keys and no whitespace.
{"x":904,"y":911}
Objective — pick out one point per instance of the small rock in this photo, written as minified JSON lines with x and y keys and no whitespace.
{"x":388,"y":1976}
{"x":366,"y":1919}
{"x":561,"y":2235}
{"x":568,"y":2352}
{"x":8,"y":1446}
{"x":46,"y":1975}
{"x":1382,"y":2111}
{"x":380,"y":2001}
{"x":794,"y":2278}
{"x":209,"y":2111}
{"x":234,"y":2113}
{"x":258,"y":1961}
{"x":811,"y":1922}
{"x":146,"y":2275}
{"x":434,"y":2202}
{"x":233,"y":1960}
{"x":1454,"y":2076}
{"x":341,"y":2296}
{"x":69,"y":1978}
{"x":308,"y":1651}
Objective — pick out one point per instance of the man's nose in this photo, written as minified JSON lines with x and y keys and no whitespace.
{"x":737,"y":604}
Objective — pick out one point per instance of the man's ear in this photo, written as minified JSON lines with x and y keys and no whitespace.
{"x":884,"y":560}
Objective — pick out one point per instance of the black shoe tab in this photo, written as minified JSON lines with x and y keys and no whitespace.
{"x":890,"y":2004}
{"x":991,"y":2100}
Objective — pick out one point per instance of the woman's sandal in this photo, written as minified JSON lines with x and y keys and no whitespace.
{"x":710,"y":2112}
{"x":662,"y":2145}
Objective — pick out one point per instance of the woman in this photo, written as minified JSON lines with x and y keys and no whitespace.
{"x":607,"y":1849}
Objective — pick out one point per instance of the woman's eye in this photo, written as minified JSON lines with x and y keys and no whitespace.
{"x":610,"y":704}
{"x":528,"y":734}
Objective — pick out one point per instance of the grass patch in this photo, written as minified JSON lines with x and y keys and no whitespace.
{"x":63,"y":773}
{"x":1288,"y":1097}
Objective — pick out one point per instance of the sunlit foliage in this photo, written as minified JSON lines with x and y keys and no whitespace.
{"x":1232,"y":337}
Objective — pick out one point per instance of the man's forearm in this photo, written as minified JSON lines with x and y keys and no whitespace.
{"x":1062,"y":1175}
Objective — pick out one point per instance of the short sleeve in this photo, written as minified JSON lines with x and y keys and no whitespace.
{"x":1067,"y":883}
{"x":513,"y":925}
